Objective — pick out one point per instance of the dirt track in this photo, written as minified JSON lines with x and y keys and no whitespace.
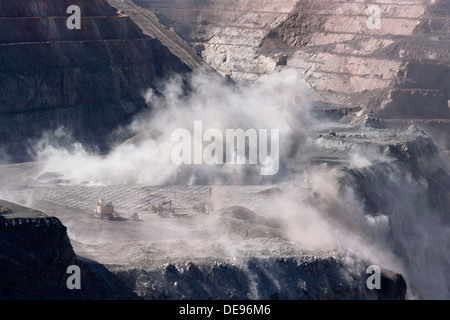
{"x":150,"y":25}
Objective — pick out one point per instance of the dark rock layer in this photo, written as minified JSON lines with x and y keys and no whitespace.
{"x":262,"y":278}
{"x":90,"y":81}
{"x":35,"y":253}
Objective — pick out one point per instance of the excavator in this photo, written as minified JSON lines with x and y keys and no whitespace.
{"x":165,"y":210}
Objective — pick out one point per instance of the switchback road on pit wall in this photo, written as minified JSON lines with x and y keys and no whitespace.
{"x":150,"y":25}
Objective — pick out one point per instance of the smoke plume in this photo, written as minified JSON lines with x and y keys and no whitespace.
{"x":404,"y":232}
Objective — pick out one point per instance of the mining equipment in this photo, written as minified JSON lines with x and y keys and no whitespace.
{"x":165,"y":210}
{"x":105,"y":210}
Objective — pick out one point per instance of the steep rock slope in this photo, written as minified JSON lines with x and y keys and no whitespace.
{"x":35,"y":253}
{"x":266,"y":278}
{"x":88,"y":80}
{"x":151,"y":26}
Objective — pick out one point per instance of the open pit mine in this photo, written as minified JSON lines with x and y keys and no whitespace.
{"x":224,"y":150}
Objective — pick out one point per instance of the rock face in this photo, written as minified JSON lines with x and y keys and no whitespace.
{"x":262,"y":278}
{"x":151,"y":26}
{"x":35,"y":253}
{"x":90,"y":80}
{"x":400,"y":70}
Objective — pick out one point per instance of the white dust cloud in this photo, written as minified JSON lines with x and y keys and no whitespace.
{"x":279,"y":102}
{"x":407,"y":237}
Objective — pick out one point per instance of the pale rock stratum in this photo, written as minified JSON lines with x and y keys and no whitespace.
{"x":400,"y":71}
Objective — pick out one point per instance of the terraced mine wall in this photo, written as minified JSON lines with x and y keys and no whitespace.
{"x":89,"y":80}
{"x":399,"y":70}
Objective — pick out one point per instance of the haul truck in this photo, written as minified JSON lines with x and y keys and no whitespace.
{"x":105,"y":210}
